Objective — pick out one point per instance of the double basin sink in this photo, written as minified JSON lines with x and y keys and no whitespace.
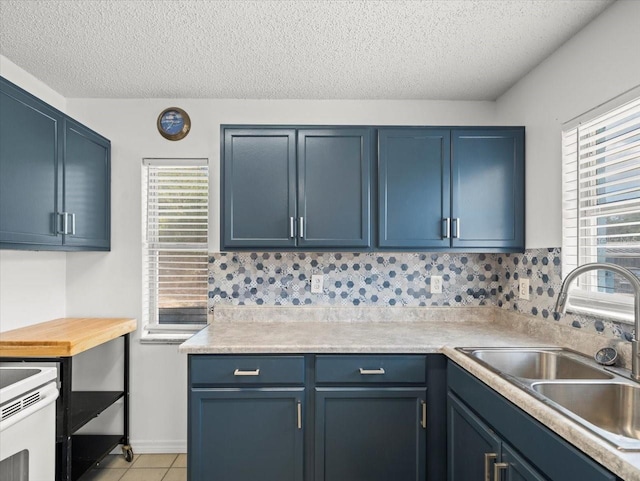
{"x":603,"y":401}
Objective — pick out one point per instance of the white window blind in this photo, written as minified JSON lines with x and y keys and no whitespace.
{"x":601,"y":207}
{"x":175,"y":245}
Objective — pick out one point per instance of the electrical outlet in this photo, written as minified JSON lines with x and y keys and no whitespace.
{"x":317,"y":283}
{"x":524,"y":289}
{"x":436,"y":284}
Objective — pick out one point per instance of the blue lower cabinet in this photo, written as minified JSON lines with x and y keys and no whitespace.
{"x":515,"y":468}
{"x":370,"y":434}
{"x":473,"y":447}
{"x":476,"y":452}
{"x":317,"y":418}
{"x":487,"y":434}
{"x":246,"y":434}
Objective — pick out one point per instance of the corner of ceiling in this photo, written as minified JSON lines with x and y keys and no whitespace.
{"x":25,"y":80}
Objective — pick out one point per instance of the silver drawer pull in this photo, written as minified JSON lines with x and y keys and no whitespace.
{"x":488,"y":459}
{"x":238,"y":372}
{"x":367,"y":372}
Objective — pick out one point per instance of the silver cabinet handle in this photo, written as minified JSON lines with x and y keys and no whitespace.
{"x":62,"y":219}
{"x":446,"y":228}
{"x":292,"y":227}
{"x":488,"y":457}
{"x":456,"y":231}
{"x":496,"y":470}
{"x":423,"y":423}
{"x":73,"y":225}
{"x":302,"y":227}
{"x":368,"y":372}
{"x":238,"y":372}
{"x":299,"y":415}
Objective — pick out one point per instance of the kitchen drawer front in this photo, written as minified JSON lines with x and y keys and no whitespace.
{"x":240,"y":370}
{"x":374,"y":369}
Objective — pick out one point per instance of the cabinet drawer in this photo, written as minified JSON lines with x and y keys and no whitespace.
{"x":371,"y":369}
{"x":206,"y":369}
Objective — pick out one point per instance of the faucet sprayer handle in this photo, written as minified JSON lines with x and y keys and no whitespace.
{"x":561,"y":303}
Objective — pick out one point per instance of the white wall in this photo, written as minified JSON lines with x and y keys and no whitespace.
{"x":561,"y":88}
{"x":109,"y":284}
{"x":32,"y":284}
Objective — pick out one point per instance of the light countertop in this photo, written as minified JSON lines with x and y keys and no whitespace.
{"x":268,"y":330}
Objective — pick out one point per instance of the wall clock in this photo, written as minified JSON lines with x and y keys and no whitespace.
{"x":174,"y":123}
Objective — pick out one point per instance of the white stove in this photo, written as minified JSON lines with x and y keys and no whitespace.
{"x":28,"y":423}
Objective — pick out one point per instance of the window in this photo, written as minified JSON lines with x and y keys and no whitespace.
{"x":175,"y":196}
{"x":601,"y":208}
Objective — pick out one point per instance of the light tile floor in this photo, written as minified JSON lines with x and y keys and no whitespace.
{"x":144,"y":467}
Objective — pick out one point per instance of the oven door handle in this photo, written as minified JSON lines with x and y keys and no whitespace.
{"x":48,"y":395}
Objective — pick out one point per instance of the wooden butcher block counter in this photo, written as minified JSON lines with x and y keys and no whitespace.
{"x":63,"y":337}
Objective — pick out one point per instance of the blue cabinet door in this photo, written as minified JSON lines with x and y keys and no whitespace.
{"x":545,"y":451}
{"x":334,"y":194}
{"x":413,"y":187}
{"x":30,"y":169}
{"x":473,"y":447}
{"x":517,"y":469}
{"x":476,"y":452}
{"x":369,"y":434}
{"x":54,"y":177}
{"x":87,"y":187}
{"x":487,"y":197}
{"x":246,"y":434}
{"x":259,"y":182}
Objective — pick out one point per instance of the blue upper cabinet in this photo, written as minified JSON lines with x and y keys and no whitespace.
{"x":437,"y":188}
{"x":288,"y":188}
{"x":87,"y":187}
{"x":334,"y":187}
{"x":30,"y":159}
{"x":459,"y":189}
{"x":259,"y":181}
{"x":54,"y":178}
{"x":413,"y":187}
{"x":487,"y":194}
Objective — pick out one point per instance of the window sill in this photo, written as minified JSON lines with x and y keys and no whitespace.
{"x":168,"y":334}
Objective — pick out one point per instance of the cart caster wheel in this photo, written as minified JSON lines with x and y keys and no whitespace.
{"x":127,"y":452}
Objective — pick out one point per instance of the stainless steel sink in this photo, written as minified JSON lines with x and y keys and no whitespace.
{"x":605,"y":402}
{"x":613,"y":407}
{"x":538,"y":364}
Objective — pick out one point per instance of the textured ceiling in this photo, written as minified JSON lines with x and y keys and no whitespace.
{"x":321,"y":49}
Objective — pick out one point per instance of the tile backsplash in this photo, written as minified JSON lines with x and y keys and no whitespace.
{"x":396,"y":279}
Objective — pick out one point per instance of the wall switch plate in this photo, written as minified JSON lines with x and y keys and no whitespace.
{"x":523,"y":289}
{"x":436,"y":284}
{"x":317,"y":283}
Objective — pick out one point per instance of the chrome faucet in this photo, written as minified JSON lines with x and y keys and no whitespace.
{"x":635,"y":283}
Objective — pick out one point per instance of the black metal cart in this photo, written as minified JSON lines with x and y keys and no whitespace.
{"x":78,"y":453}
